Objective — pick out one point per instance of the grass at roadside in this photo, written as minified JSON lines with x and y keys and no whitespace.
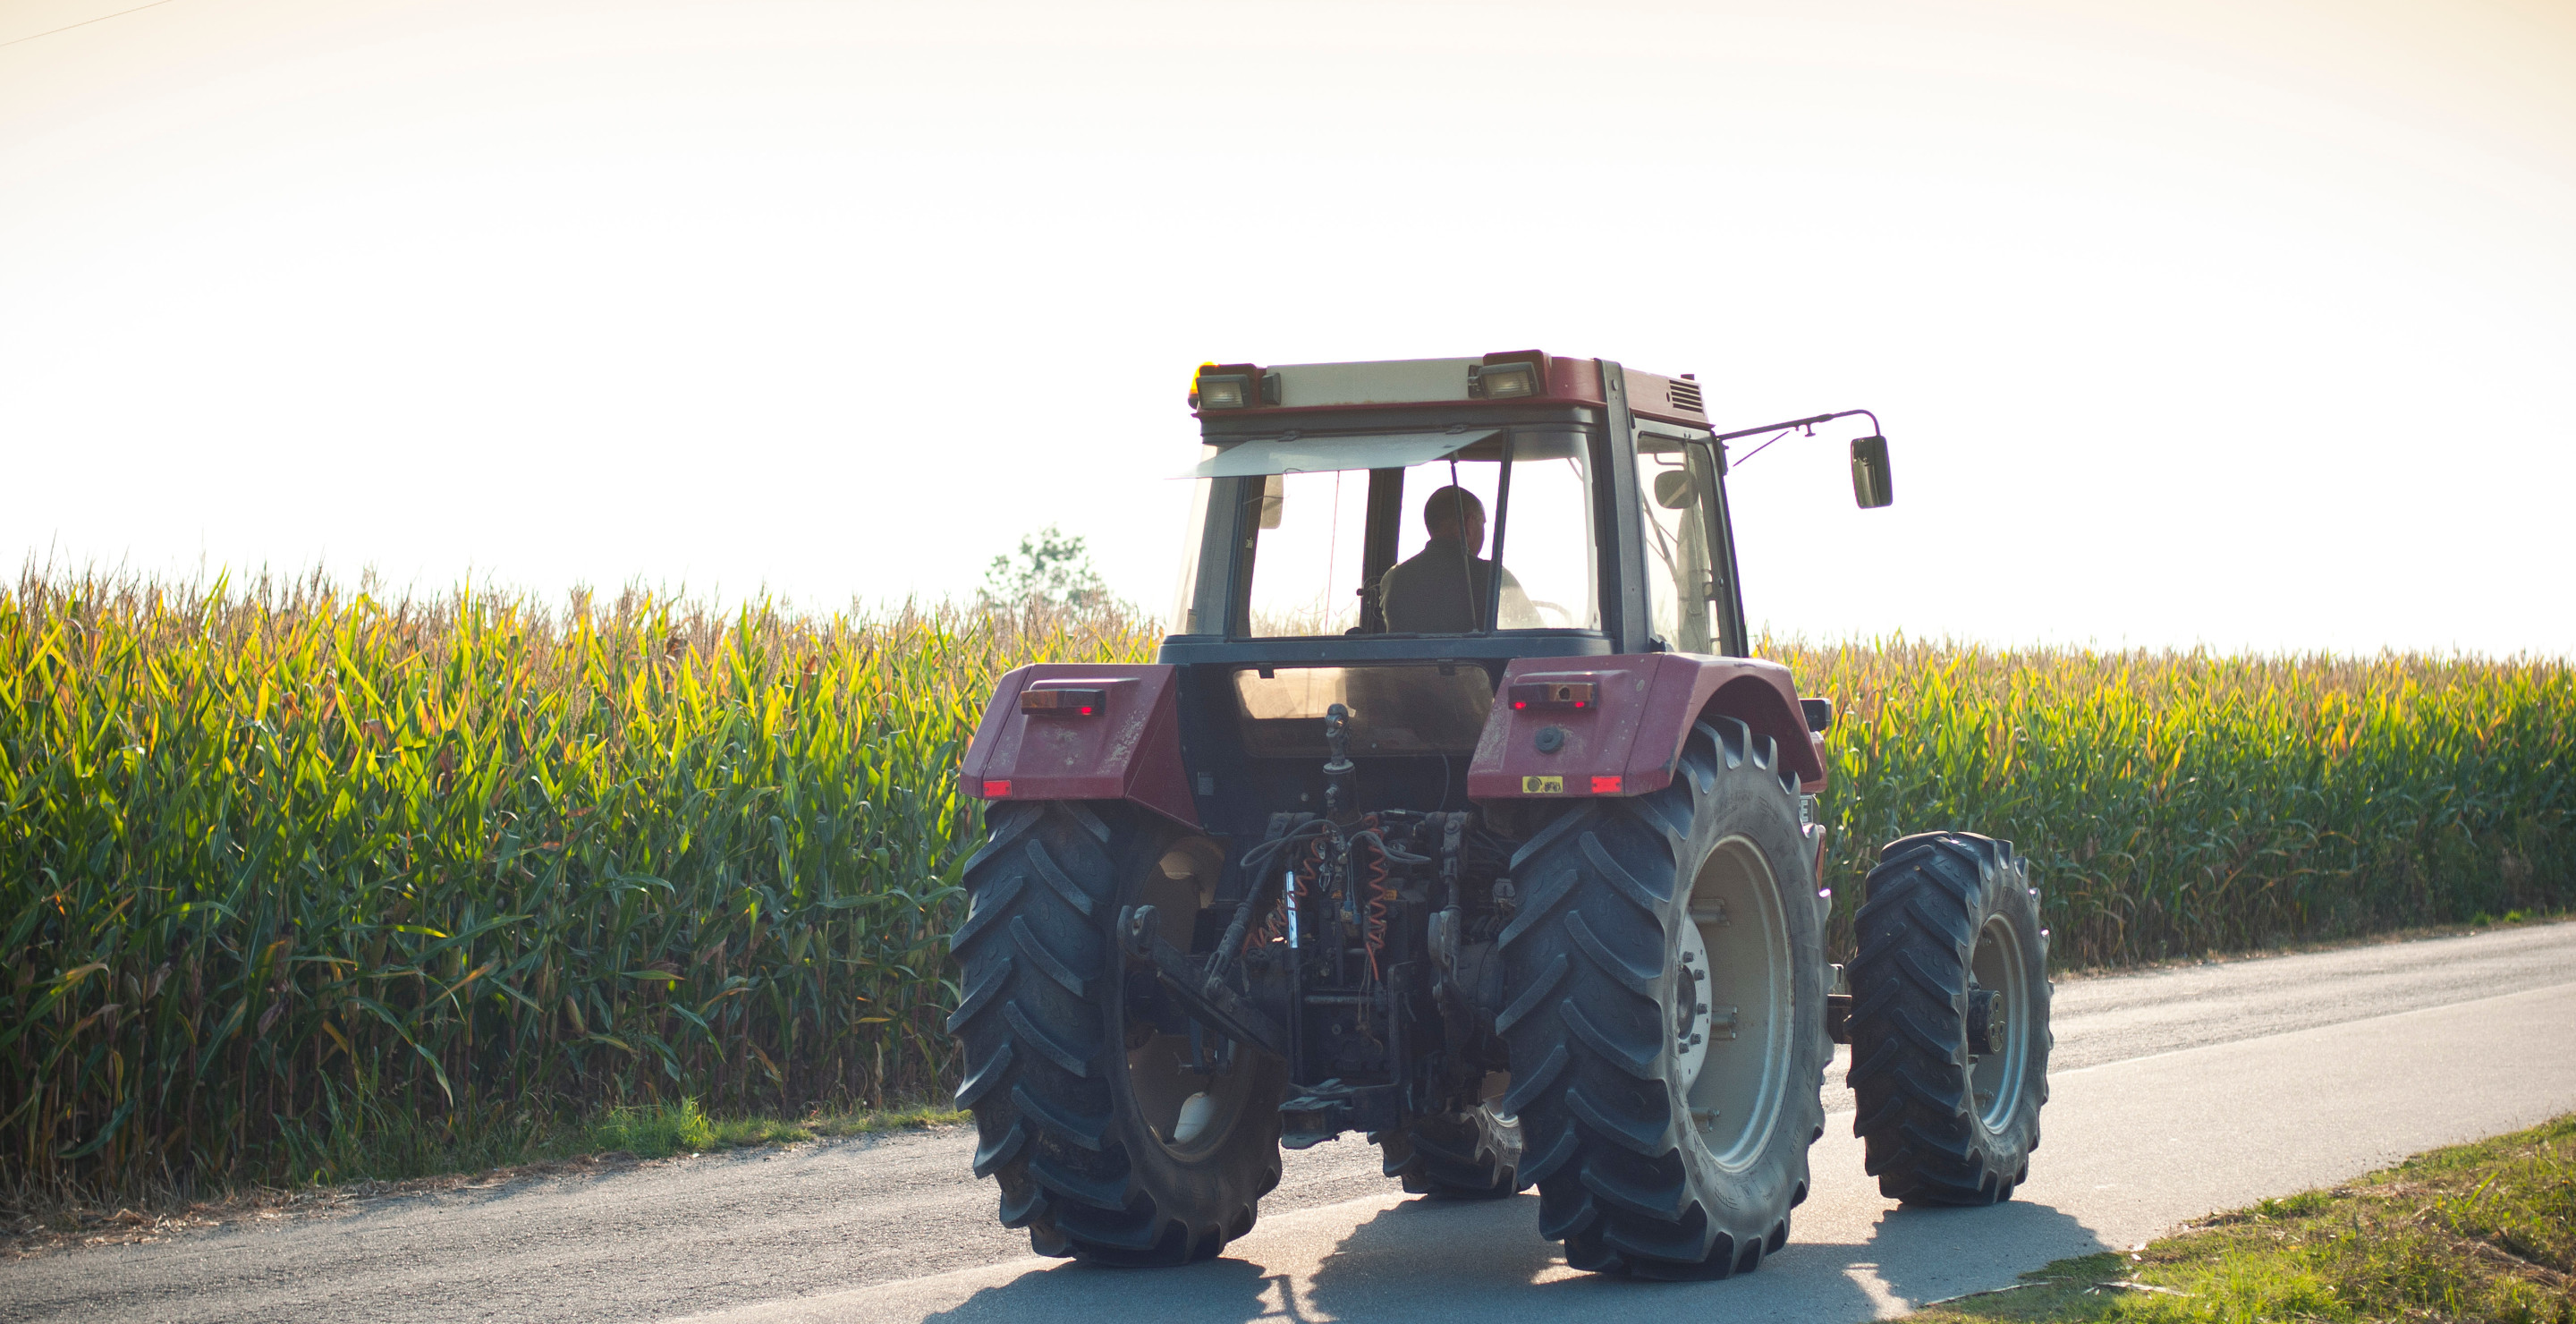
{"x":2485,"y":1231}
{"x":660,"y":1130}
{"x":2481,"y":924}
{"x":395,"y":1159}
{"x":646,"y":1131}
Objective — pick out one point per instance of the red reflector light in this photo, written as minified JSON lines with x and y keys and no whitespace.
{"x":1606,"y":785}
{"x":1063,"y":702}
{"x":1554,"y":694}
{"x":997,"y":790}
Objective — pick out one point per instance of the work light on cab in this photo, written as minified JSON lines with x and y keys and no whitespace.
{"x":1226,"y":392}
{"x":1233,"y":386}
{"x":1503,"y":381}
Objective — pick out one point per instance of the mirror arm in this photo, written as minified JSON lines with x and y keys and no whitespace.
{"x":1801,"y":423}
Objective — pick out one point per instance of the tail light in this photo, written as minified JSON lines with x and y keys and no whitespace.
{"x":1554,"y":694}
{"x":1064,"y":702}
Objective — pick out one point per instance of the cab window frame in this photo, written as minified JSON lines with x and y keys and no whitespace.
{"x":1384,"y":506}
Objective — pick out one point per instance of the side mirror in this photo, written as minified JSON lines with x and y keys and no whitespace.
{"x":1274,"y":490}
{"x":1673,"y":489}
{"x":1871,"y":486}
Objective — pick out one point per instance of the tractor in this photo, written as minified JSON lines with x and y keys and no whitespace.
{"x":1504,"y":857}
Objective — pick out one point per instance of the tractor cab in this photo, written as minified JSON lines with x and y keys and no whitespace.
{"x":1596,"y":491}
{"x":1390,"y":537}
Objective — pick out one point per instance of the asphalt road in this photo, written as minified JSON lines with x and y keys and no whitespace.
{"x":2175,"y":1092}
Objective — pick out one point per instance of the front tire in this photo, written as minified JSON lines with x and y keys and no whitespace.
{"x":1079,"y":1097}
{"x":1474,"y":1155}
{"x":1949,"y":1020}
{"x":1667,"y":1038}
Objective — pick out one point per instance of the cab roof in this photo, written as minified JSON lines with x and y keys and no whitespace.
{"x":1240,"y":389}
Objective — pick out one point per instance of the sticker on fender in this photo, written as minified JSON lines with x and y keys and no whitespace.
{"x":1542,"y":786}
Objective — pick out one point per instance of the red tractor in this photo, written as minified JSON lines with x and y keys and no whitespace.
{"x":1507,"y":860}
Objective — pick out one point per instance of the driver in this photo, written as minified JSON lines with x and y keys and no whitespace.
{"x":1441,"y":589}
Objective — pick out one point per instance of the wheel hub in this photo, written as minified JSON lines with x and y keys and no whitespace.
{"x":1690,"y":1008}
{"x":1998,"y":1042}
{"x":1989,"y":1021}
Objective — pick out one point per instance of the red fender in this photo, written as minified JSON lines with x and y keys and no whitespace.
{"x":1628,"y":734}
{"x":1129,"y":750}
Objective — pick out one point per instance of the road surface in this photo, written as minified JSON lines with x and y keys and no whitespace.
{"x":2175,"y":1092}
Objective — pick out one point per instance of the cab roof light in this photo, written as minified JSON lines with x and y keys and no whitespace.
{"x":1233,"y":386}
{"x":1516,"y":375}
{"x":1225,"y":391}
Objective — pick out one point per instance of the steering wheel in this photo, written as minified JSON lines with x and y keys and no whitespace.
{"x":1564,"y":618}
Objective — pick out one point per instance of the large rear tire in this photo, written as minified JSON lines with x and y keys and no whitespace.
{"x":1949,"y":1020}
{"x":1079,"y":1098}
{"x":1667,"y":1034}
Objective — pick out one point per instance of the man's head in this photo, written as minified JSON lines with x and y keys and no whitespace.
{"x":1454,"y":512}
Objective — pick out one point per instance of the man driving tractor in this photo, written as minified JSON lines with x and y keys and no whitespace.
{"x":1440,"y":589}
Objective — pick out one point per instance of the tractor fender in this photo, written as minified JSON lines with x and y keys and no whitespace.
{"x":1619,"y":722}
{"x":1129,"y":749}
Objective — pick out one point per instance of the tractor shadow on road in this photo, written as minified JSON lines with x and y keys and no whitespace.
{"x":1221,"y":1290}
{"x":1419,"y":1258}
{"x":1914,"y":1254}
{"x":1434,"y":1259}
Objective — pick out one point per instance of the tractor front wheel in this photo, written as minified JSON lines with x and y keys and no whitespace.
{"x":1474,"y":1155}
{"x":1949,"y":1020}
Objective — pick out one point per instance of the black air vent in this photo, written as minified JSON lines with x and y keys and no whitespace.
{"x":1685,"y":396}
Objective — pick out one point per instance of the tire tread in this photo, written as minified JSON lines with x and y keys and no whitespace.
{"x":1925,"y":902}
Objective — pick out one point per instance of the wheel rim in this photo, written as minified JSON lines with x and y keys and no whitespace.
{"x":1739,"y":1006}
{"x":1995,"y":1076}
{"x":1160,"y":1080}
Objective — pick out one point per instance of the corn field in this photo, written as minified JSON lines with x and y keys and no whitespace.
{"x":2180,"y":804}
{"x":281,"y":855}
{"x":272,"y":855}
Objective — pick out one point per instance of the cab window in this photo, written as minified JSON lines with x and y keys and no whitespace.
{"x":1674,"y":480}
{"x":1414,"y":549}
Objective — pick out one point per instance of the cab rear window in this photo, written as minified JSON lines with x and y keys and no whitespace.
{"x":1429,"y":708}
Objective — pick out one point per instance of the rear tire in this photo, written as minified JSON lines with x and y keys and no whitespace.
{"x":1472,"y":1155}
{"x":1656,"y":1154}
{"x":1950,"y":924}
{"x":1077,"y":1102}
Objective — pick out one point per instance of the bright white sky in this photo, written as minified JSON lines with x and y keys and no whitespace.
{"x":2238,"y":322}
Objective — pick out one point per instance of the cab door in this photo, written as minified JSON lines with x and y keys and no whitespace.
{"x":1693,"y":603}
